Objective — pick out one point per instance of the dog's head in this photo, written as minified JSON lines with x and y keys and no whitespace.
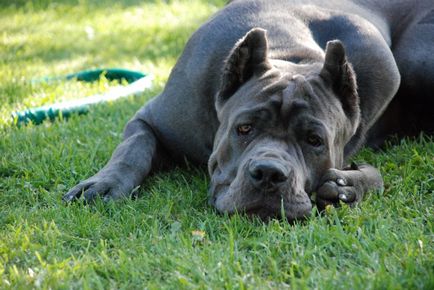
{"x":282,"y":126}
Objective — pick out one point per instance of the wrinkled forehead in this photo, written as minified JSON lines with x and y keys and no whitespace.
{"x":304,"y":94}
{"x":286,"y":95}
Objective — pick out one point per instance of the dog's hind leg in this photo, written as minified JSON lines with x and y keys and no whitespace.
{"x":412,"y":109}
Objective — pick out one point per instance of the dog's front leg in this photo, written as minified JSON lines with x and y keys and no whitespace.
{"x":130,"y":163}
{"x":348,"y":185}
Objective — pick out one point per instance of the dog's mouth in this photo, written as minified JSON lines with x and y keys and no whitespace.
{"x":266,"y":214}
{"x":264,"y":204}
{"x":262,"y":195}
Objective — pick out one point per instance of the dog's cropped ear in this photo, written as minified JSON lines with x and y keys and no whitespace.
{"x":248,"y":57}
{"x":340,"y":74}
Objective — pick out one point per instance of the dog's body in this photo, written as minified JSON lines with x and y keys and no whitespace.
{"x":275,"y":114}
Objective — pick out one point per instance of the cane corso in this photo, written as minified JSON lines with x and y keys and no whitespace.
{"x":275,"y":96}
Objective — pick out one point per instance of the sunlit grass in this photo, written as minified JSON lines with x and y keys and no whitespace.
{"x":169,"y":238}
{"x":66,"y":39}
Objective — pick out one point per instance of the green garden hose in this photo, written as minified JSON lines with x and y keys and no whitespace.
{"x":138,"y":82}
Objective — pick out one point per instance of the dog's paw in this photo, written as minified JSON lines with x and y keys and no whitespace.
{"x":340,"y":186}
{"x":105,"y":188}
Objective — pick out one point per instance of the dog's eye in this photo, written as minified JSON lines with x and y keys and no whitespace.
{"x":314,"y":140}
{"x":244,"y":129}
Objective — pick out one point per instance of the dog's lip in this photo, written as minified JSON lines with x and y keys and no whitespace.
{"x":261,"y":201}
{"x":218,"y":189}
{"x":271,"y":212}
{"x":253,"y":207}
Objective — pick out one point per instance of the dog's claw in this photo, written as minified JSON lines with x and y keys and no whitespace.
{"x":339,"y":185}
{"x":343,"y":197}
{"x":67,"y":198}
{"x":341,"y":182}
{"x":107,"y":188}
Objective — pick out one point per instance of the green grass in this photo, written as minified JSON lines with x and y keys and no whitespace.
{"x":385,"y":243}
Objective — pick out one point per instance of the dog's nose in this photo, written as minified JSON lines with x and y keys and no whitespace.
{"x":267,"y":173}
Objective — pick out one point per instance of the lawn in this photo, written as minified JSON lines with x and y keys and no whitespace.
{"x":169,"y":237}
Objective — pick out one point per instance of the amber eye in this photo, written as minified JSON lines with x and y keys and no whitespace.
{"x":314,"y":140}
{"x":244,"y":129}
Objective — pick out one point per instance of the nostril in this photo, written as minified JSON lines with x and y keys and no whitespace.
{"x":267,"y":173}
{"x":278,"y":177}
{"x":256,"y":174}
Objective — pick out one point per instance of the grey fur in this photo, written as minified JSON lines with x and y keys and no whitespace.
{"x":276,"y":95}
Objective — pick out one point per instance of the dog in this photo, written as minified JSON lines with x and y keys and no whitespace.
{"x":275,"y":96}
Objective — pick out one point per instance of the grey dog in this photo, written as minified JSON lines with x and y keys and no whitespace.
{"x":276,"y":95}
